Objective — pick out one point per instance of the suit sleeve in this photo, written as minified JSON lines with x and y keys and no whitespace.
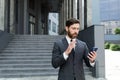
{"x":57,"y":56}
{"x":87,"y":62}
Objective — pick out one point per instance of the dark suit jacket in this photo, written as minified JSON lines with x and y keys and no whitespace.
{"x":70,"y":68}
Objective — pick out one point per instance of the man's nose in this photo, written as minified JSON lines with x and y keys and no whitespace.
{"x":76,"y":30}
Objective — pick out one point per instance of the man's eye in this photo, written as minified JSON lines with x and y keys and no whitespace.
{"x":73,"y":28}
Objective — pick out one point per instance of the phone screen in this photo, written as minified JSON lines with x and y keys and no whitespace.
{"x":94,"y":49}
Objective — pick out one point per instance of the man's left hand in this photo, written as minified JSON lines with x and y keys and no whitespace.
{"x":92,"y":56}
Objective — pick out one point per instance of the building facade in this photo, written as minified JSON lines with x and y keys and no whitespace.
{"x":109,"y":15}
{"x":31,"y":17}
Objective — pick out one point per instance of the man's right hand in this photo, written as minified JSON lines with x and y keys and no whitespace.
{"x":70,"y":47}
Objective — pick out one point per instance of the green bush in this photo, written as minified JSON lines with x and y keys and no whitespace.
{"x":117,"y":31}
{"x":115,"y":47}
{"x":107,"y":45}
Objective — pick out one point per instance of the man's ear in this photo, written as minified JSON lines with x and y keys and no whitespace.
{"x":66,"y":28}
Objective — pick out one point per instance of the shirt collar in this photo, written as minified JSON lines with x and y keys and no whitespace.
{"x":69,"y":39}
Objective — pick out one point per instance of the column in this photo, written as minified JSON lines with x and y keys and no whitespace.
{"x":60,"y":21}
{"x":20,"y":27}
{"x":62,"y":16}
{"x":65,"y":12}
{"x":2,"y":14}
{"x":85,"y":14}
{"x":25,"y":28}
{"x":99,"y":42}
{"x":69,"y":9}
{"x":39,"y":16}
{"x":89,"y":13}
{"x":66,"y":9}
{"x":12,"y":16}
{"x":81,"y":14}
{"x":74,"y":9}
{"x":7,"y":16}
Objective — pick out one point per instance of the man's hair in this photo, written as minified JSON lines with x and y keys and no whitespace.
{"x":71,"y":21}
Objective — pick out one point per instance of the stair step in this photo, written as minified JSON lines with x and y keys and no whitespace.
{"x":28,"y":48}
{"x":29,"y":64}
{"x":7,"y":60}
{"x":16,"y":75}
{"x":31,"y":47}
{"x":26,"y":54}
{"x":23,"y":61}
{"x":25,"y":66}
{"x":27,"y":51}
{"x":29,"y":55}
{"x":26,"y":69}
{"x":24,"y":57}
{"x":31,"y":43}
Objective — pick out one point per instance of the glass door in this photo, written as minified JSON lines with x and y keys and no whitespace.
{"x":31,"y":24}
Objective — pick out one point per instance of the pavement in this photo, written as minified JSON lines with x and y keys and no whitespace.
{"x":112,"y":63}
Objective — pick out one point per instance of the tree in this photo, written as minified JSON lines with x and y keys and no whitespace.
{"x":117,"y":31}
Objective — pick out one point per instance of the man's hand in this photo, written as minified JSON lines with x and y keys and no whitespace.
{"x":70,"y":47}
{"x":92,"y":56}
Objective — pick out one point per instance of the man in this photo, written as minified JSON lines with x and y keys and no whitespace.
{"x":69,"y":53}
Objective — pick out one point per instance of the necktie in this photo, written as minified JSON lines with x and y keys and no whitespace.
{"x":73,"y":51}
{"x":73,"y":54}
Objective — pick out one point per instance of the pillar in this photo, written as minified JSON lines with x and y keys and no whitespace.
{"x":12,"y":16}
{"x":81,"y":14}
{"x":62,"y":18}
{"x":20,"y":25}
{"x":7,"y":16}
{"x":74,"y":9}
{"x":2,"y":14}
{"x":39,"y":16}
{"x":99,"y":42}
{"x":69,"y":9}
{"x":25,"y":28}
{"x":89,"y":13}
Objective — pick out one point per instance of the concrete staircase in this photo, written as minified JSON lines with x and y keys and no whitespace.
{"x":29,"y":55}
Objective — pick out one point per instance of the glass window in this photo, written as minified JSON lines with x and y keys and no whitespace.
{"x":54,"y":27}
{"x":49,"y":24}
{"x":31,"y":24}
{"x":54,"y":15}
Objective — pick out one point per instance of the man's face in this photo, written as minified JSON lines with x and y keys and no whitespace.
{"x":73,"y":30}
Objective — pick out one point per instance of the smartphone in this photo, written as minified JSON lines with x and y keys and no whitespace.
{"x":94,"y":49}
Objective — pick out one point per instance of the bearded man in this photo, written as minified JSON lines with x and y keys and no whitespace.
{"x":69,"y":53}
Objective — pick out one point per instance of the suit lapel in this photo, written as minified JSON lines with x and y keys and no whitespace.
{"x":65,"y":43}
{"x":77,"y":47}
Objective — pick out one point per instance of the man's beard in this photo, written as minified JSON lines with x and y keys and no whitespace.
{"x":72,"y":36}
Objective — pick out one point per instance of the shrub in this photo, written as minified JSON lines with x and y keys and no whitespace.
{"x":117,"y":31}
{"x":115,"y":47}
{"x":107,"y":45}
